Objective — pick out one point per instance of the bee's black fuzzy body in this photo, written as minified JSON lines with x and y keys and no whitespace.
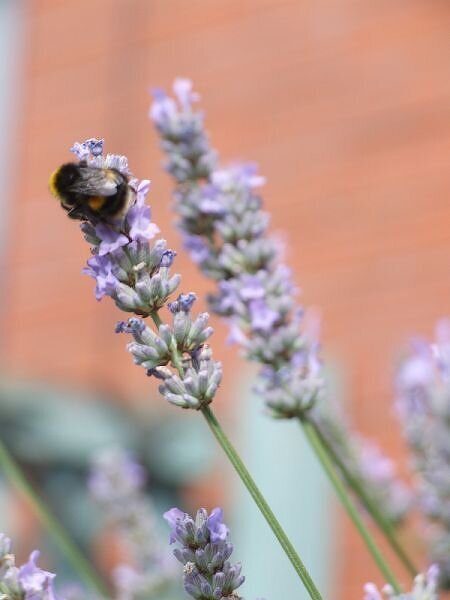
{"x":91,"y":193}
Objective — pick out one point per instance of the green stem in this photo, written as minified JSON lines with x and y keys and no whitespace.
{"x":353,"y":513}
{"x":260,"y":502}
{"x":15,"y":475}
{"x":156,"y":319}
{"x":371,"y":507}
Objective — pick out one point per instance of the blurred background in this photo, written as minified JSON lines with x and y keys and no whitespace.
{"x":345,"y":106}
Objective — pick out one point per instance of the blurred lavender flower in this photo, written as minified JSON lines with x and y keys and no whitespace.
{"x":136,"y":275}
{"x":423,"y":405}
{"x":28,"y":582}
{"x":224,"y":230}
{"x":116,"y":482}
{"x":425,"y":587}
{"x":204,"y":551}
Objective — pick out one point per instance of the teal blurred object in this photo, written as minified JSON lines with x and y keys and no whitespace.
{"x":293,"y":483}
{"x":41,"y":424}
{"x":180,"y":449}
{"x":53,"y":434}
{"x":44,"y":425}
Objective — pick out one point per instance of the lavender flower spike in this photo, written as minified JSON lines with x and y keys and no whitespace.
{"x":136,"y":274}
{"x":423,"y":393}
{"x":28,"y":582}
{"x":116,"y":482}
{"x":425,"y":587}
{"x":204,"y":551}
{"x":225,"y":229}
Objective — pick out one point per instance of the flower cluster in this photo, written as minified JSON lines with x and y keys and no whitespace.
{"x":224,"y":230}
{"x":28,"y":582}
{"x":204,"y":551}
{"x":136,"y":275}
{"x":425,"y":587}
{"x":116,"y":482}
{"x":423,"y":404}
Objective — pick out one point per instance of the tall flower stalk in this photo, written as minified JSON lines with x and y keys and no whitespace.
{"x":224,"y":230}
{"x":136,"y":275}
{"x":423,"y":405}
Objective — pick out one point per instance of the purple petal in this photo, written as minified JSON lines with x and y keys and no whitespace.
{"x":35,"y":582}
{"x":183,"y":91}
{"x":141,"y":227}
{"x":262,"y":317}
{"x":163,"y":109}
{"x":173,"y":517}
{"x":251,"y":288}
{"x":101,"y":268}
{"x":110,"y":239}
{"x":80,"y":150}
{"x":217,"y":529}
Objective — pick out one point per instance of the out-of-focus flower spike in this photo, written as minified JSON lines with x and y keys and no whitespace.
{"x":117,"y":483}
{"x":423,"y":405}
{"x":425,"y":587}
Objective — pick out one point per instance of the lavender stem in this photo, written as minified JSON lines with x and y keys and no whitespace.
{"x":351,"y":510}
{"x":15,"y":475}
{"x":260,"y":501}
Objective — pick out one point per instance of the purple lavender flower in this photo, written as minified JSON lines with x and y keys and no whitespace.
{"x":167,"y":258}
{"x":423,"y":405}
{"x":163,"y":110}
{"x":136,"y":275}
{"x":110,"y":239}
{"x":425,"y":587}
{"x":224,"y":229}
{"x":101,"y":269}
{"x":117,"y":484}
{"x":197,"y":247}
{"x":95,"y":146}
{"x":204,"y":551}
{"x":217,"y":528}
{"x":184,"y":303}
{"x":139,"y":221}
{"x":173,"y":517}
{"x":255,"y":292}
{"x":261,"y":316}
{"x":34,"y":581}
{"x":28,"y":582}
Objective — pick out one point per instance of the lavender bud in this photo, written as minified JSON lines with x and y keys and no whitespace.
{"x":167,"y":258}
{"x":183,"y":303}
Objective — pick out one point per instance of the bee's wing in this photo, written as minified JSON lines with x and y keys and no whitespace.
{"x":96,"y":182}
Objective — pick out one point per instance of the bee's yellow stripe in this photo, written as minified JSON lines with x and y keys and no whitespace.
{"x":96,"y":202}
{"x":52,"y":185}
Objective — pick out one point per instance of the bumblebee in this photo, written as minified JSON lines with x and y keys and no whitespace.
{"x":91,"y":193}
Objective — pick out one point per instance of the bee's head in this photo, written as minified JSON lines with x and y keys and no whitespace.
{"x":62,"y":178}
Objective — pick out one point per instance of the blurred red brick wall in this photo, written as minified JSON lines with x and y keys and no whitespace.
{"x":346,"y":107}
